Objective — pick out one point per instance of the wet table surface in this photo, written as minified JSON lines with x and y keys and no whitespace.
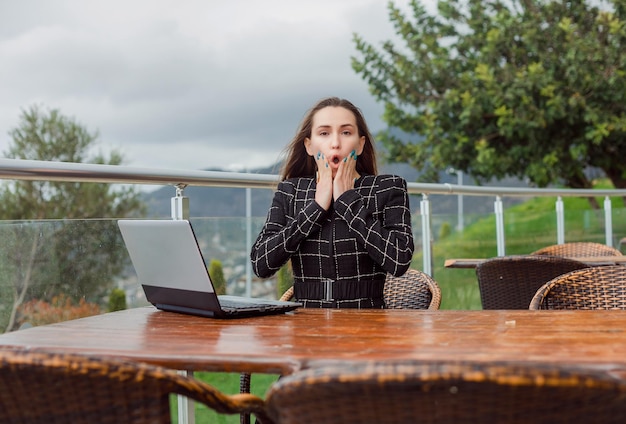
{"x":309,"y":337}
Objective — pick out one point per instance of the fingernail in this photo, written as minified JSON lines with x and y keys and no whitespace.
{"x":353,"y":154}
{"x":318,"y":155}
{"x":345,"y":159}
{"x":326,"y":164}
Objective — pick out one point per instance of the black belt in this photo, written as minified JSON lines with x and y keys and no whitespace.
{"x":366,"y":303}
{"x":340,"y":294}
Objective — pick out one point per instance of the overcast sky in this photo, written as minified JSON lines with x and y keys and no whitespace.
{"x":187,"y":84}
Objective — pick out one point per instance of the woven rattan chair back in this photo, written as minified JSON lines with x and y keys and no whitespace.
{"x":600,"y":287}
{"x":510,"y":282}
{"x":58,"y":388}
{"x":581,"y":249}
{"x":413,"y":290}
{"x":288,"y":295}
{"x":447,"y":393}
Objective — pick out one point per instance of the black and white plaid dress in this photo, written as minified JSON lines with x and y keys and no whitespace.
{"x":340,"y":257}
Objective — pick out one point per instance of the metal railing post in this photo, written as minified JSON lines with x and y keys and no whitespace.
{"x":499,"y":212}
{"x":426,"y":235}
{"x":180,"y":203}
{"x":186,"y":407}
{"x":560,"y":221}
{"x":608,"y":221}
{"x":248,"y":241}
{"x":180,"y":210}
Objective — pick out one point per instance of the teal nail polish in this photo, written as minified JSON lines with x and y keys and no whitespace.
{"x":353,"y":154}
{"x":326,"y":164}
{"x":345,"y":159}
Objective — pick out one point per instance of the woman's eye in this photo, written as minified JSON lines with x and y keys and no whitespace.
{"x":347,"y":133}
{"x":324,"y":133}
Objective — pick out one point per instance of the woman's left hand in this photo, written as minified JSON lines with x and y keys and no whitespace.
{"x":346,"y":175}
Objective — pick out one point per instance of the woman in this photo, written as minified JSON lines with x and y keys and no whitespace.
{"x":343,"y":226}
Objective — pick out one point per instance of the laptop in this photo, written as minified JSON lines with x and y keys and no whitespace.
{"x":174,"y":276}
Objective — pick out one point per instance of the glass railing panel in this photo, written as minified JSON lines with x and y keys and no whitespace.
{"x":69,"y":268}
{"x":225,"y":240}
{"x":54,"y":270}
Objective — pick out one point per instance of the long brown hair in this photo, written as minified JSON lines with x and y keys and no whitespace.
{"x":300,"y":164}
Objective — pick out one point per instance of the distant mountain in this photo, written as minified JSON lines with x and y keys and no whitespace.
{"x":231,"y":202}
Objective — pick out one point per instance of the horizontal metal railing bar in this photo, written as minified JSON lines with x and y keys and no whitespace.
{"x":524,"y":191}
{"x":34,"y":170}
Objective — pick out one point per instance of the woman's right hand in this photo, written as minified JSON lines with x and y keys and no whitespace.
{"x":324,"y":190}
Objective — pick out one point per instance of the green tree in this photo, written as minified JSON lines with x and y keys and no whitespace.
{"x":217,"y":276}
{"x":70,"y":255}
{"x":524,"y":88}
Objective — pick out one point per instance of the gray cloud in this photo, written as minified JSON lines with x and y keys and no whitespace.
{"x":185,"y":84}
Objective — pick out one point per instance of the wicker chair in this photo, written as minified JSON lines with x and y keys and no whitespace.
{"x":581,"y":249}
{"x":413,"y":290}
{"x":600,"y":287}
{"x":447,"y":393}
{"x":63,"y":388}
{"x":510,"y":282}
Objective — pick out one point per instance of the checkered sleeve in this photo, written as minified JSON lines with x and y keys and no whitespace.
{"x":378,"y":215}
{"x":287,"y":225}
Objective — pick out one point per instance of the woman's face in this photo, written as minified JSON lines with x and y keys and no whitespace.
{"x":334,"y":133}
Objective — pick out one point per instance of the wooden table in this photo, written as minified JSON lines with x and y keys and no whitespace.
{"x":308,"y":337}
{"x":589,"y":260}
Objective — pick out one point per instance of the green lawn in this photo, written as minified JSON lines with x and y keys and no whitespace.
{"x":226,"y":383}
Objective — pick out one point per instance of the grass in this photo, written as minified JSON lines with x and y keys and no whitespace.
{"x":528,"y":227}
{"x":226,"y":383}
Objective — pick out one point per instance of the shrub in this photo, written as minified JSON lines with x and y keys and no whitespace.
{"x":445,"y":230}
{"x":60,"y":308}
{"x":217,"y":276}
{"x":117,"y":300}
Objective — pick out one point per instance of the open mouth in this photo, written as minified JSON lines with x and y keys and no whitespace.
{"x":336,"y":160}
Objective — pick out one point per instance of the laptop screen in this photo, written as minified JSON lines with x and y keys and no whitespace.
{"x":165,"y":253}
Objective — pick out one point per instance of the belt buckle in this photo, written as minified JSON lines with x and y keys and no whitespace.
{"x":328,"y":289}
